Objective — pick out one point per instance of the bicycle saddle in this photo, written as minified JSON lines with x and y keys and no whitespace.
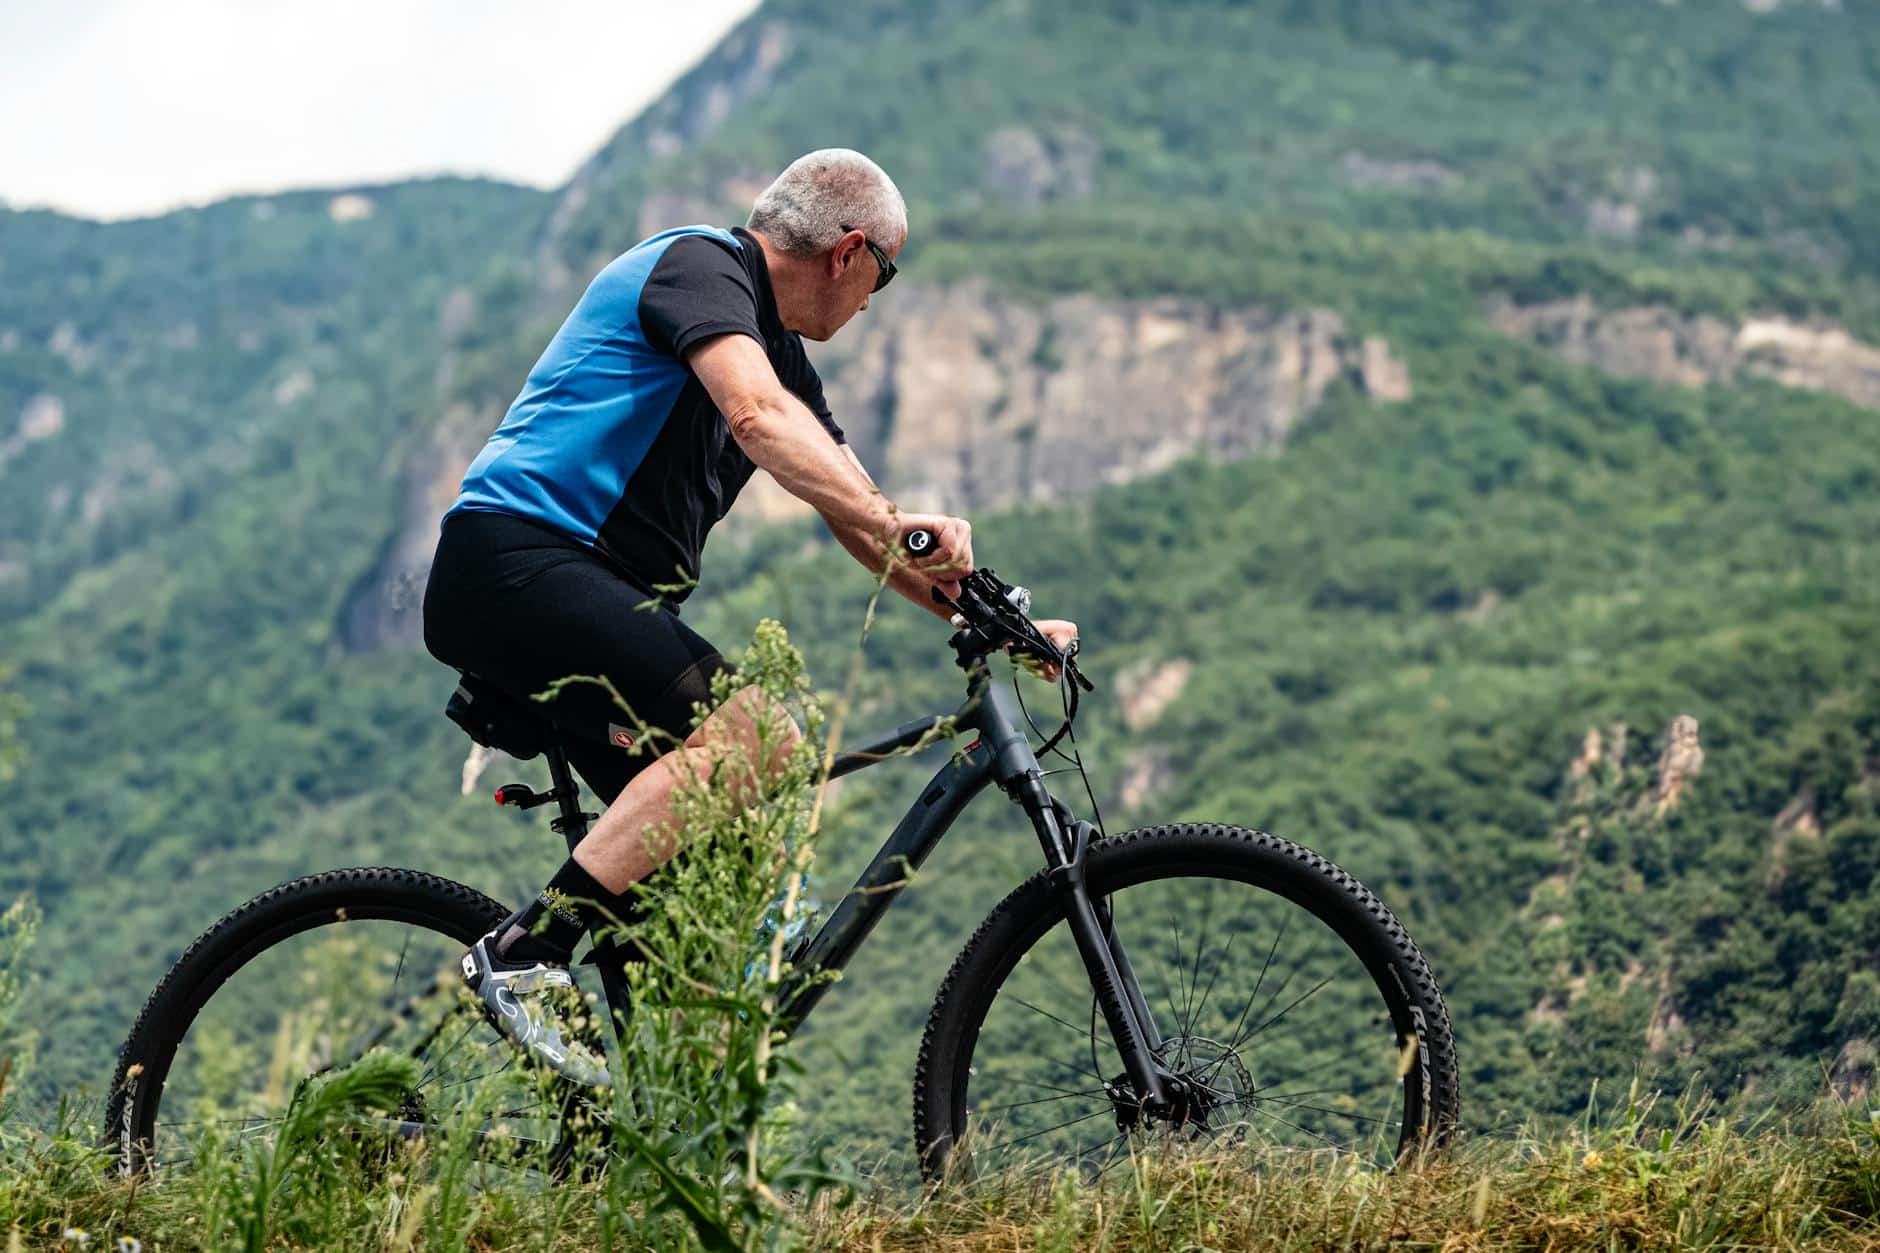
{"x":495,"y":719}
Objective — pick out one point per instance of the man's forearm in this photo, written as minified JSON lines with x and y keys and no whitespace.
{"x":870,"y":552}
{"x":785,"y":438}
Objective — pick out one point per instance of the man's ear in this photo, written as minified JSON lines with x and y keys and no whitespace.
{"x":842,"y":256}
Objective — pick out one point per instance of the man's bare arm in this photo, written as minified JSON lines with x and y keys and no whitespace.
{"x":903,"y":578}
{"x":778,"y":432}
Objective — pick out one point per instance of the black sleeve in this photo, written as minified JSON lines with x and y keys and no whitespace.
{"x":696,"y":289}
{"x":796,"y":373}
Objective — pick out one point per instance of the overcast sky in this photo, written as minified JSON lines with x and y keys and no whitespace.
{"x":119,"y":108}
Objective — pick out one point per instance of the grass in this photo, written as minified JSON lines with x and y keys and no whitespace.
{"x":1686,"y":1178}
{"x":1711,"y":1188}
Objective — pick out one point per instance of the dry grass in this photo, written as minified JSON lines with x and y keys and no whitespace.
{"x":1674,"y":1183}
{"x":1690,"y":1185}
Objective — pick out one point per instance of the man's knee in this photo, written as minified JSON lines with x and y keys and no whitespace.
{"x":752,"y":722}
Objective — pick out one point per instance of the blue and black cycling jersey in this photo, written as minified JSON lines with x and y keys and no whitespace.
{"x":613,"y":441}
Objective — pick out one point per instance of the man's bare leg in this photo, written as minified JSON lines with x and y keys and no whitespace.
{"x":519,"y":969}
{"x":635,"y":835}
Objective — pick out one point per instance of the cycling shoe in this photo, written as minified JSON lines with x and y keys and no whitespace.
{"x":535,"y":1005}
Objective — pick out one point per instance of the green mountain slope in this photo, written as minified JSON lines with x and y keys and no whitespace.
{"x":1400,"y":630}
{"x":1688,"y":130}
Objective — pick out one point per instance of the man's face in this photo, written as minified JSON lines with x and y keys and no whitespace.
{"x":851,"y":275}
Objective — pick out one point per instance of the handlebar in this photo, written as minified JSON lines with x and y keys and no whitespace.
{"x":992,"y":614}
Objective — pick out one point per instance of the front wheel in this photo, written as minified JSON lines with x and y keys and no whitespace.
{"x":1287,"y":1000}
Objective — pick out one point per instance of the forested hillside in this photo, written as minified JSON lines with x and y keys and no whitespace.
{"x":1388,"y":640}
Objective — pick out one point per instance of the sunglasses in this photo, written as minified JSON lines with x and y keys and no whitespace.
{"x":881,"y":260}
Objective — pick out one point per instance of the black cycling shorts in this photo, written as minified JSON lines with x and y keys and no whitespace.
{"x":522,"y":605}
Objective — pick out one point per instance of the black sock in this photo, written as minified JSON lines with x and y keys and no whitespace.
{"x":548,"y":927}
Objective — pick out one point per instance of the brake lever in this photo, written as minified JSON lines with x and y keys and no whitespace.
{"x":1073,"y":669}
{"x":972,"y":611}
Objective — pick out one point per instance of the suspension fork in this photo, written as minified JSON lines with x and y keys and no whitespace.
{"x":1119,"y":996}
{"x":1079,"y":833}
{"x":1119,"y":999}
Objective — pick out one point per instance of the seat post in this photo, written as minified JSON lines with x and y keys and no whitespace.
{"x":607,"y":955}
{"x":573,"y":823}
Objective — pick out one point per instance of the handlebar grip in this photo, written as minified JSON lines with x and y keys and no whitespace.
{"x":920,"y":541}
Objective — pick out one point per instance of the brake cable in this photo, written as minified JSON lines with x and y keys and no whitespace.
{"x":999,"y":614}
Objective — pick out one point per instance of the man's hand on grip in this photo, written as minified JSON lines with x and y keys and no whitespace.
{"x":947,"y":560}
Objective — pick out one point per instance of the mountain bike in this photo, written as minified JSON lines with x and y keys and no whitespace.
{"x":1183,"y":983}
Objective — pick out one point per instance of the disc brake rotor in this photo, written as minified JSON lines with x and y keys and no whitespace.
{"x":1209,"y":1076}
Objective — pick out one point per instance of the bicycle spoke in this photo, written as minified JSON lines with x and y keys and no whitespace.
{"x":1113,"y":1159}
{"x":1296,"y":1127}
{"x":404,"y":1014}
{"x":1194,"y":980}
{"x":1261,"y":981}
{"x":1219,"y":965}
{"x":1060,"y":1063}
{"x":502,"y":1069}
{"x":1096,"y":1113}
{"x":391,"y":993}
{"x":1337,"y":1113}
{"x":1014,"y":1078}
{"x":1264,"y":1095}
{"x":1175,"y":930}
{"x":1235,"y":1046}
{"x":1079,"y":1031}
{"x":1041,"y":1100}
{"x":249,"y":1121}
{"x":437,"y":1064}
{"x":1334,"y":1060}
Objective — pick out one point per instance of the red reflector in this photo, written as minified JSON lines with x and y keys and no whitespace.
{"x":972,"y":746}
{"x":499,"y":796}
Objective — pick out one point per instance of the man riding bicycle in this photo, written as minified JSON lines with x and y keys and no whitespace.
{"x":680,"y":372}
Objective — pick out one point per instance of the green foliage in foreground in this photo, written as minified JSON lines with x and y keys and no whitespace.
{"x":694,"y":1147}
{"x":1629,"y":1181}
{"x":702,"y":1100}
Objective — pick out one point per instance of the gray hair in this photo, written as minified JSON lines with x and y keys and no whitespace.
{"x":805,"y":210}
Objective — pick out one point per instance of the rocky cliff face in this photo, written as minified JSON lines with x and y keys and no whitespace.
{"x":962,"y":398}
{"x":1666,"y":346}
{"x":385,"y":606}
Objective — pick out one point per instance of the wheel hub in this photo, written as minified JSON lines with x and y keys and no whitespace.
{"x":1204,"y":1076}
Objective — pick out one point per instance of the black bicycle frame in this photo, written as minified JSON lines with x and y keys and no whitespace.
{"x":999,"y":754}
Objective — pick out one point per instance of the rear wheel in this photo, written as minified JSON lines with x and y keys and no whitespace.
{"x":1293,"y":1009}
{"x":301,"y":982}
